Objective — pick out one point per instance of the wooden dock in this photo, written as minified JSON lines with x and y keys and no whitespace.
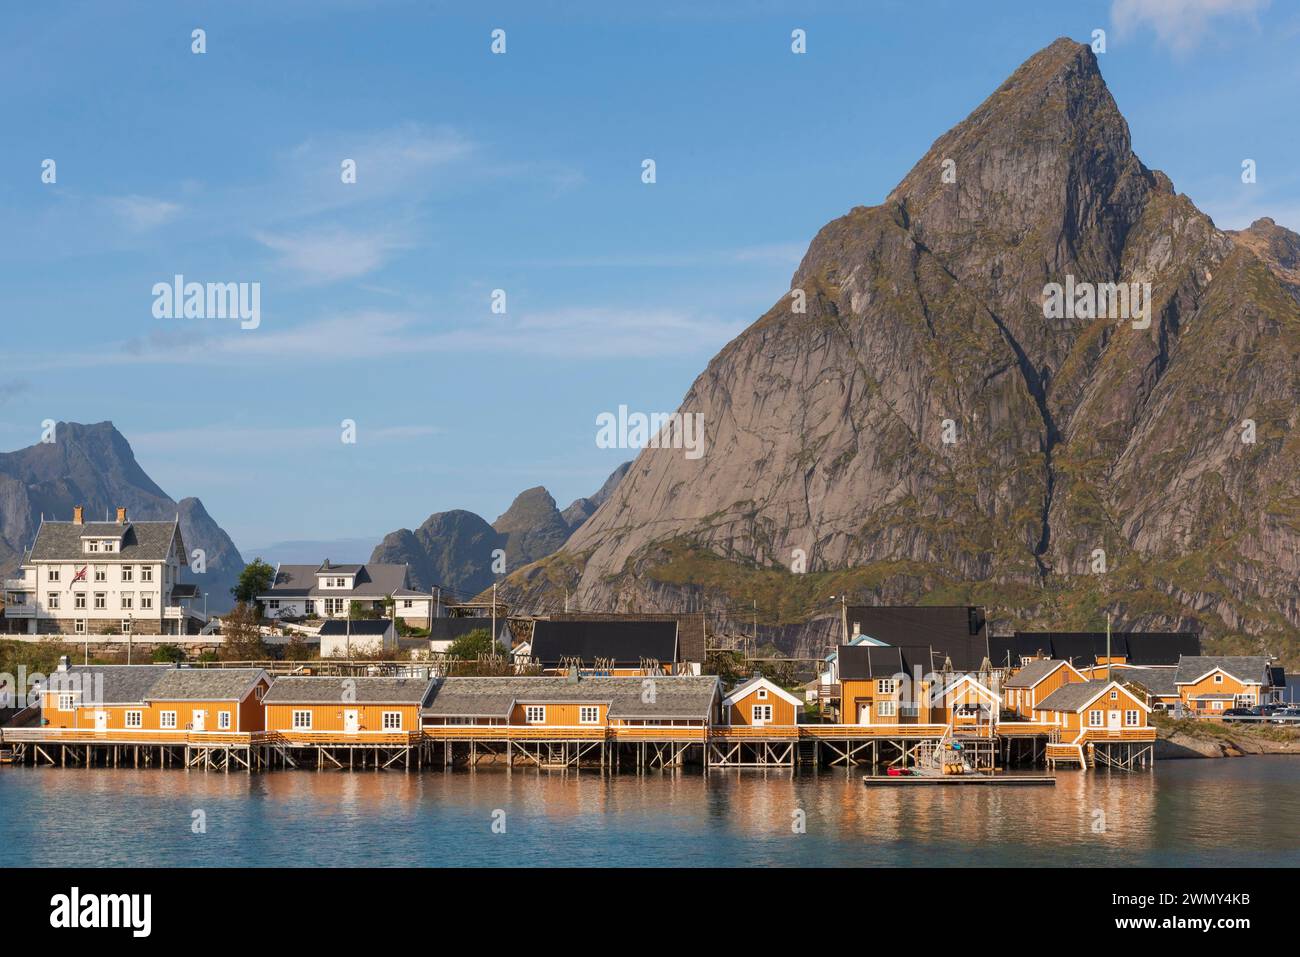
{"x":986,"y":780}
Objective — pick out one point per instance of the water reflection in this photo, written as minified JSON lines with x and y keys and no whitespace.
{"x":1240,"y":811}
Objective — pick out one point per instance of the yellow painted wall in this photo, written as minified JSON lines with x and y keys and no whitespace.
{"x":783,"y":712}
{"x":558,"y":715}
{"x":1207,"y":685}
{"x":329,"y":717}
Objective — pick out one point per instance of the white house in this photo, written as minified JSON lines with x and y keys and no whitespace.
{"x":340,"y":638}
{"x":328,"y":591}
{"x":91,"y":577}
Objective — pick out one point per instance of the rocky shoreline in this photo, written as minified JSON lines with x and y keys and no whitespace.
{"x":1204,"y":739}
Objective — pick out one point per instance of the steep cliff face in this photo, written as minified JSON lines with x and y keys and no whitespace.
{"x":94,"y":466}
{"x":916,"y":420}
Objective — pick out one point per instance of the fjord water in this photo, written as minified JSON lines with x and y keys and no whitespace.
{"x":1242,"y":811}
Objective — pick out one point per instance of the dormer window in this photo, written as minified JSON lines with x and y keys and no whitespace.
{"x":110,"y":546}
{"x":92,"y":546}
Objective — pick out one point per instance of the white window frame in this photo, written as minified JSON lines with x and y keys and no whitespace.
{"x":760,"y":713}
{"x":885,"y":709}
{"x":1096,"y":718}
{"x":223,"y":720}
{"x":1218,"y":678}
{"x":128,"y":573}
{"x":134,"y":719}
{"x":79,"y":626}
{"x":128,"y":601}
{"x":92,"y":546}
{"x":302,"y":720}
{"x":1132,"y":718}
{"x":146,"y":602}
{"x":79,"y":599}
{"x":761,"y":695}
{"x":146,"y":573}
{"x":101,"y":574}
{"x":52,"y":575}
{"x":589,"y":714}
{"x":52,"y":601}
{"x":101,"y":600}
{"x":391,"y":720}
{"x":535,"y":713}
{"x":886,"y":686}
{"x":67,"y":702}
{"x":167,"y":720}
{"x":110,"y":546}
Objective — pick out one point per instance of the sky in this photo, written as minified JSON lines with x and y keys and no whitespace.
{"x":519,"y":171}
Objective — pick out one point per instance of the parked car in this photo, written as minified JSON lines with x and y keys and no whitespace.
{"x":1286,"y":716}
{"x":1236,"y":714}
{"x":1267,"y":710}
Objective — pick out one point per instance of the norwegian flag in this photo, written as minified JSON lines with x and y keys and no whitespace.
{"x":79,"y":577}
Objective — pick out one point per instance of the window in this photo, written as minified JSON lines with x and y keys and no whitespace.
{"x":302,"y":721}
{"x":128,"y":601}
{"x":223,"y":720}
{"x":273,"y":605}
{"x":92,"y":546}
{"x":110,"y":546}
{"x":762,"y":694}
{"x":885,"y":709}
{"x":886,"y":685}
{"x":79,"y":626}
{"x":146,"y":602}
{"x":334,"y":606}
{"x":101,"y":573}
{"x":52,"y":600}
{"x":1095,"y":719}
{"x":761,"y":713}
{"x":392,"y":721}
{"x":588,"y":714}
{"x":146,"y":573}
{"x":79,"y":600}
{"x":101,"y":601}
{"x":53,"y":575}
{"x":1114,"y":696}
{"x":128,"y":573}
{"x":126,"y":626}
{"x":1216,"y":705}
{"x":167,"y":720}
{"x":407,"y":603}
{"x":135,"y":719}
{"x":1131,"y":718}
{"x":535,"y":713}
{"x":66,"y":702}
{"x":1218,"y":679}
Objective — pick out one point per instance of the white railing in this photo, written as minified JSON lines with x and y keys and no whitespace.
{"x":20,"y":611}
{"x":19,"y":584}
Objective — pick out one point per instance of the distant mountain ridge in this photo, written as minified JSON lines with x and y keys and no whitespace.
{"x":94,"y":466}
{"x":456,"y":549}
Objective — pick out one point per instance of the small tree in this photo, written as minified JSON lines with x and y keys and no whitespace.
{"x":469,"y":646}
{"x":243,"y":637}
{"x":164,"y":653}
{"x":295,"y":649}
{"x":255,"y":580}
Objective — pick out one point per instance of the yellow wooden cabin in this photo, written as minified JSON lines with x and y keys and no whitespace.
{"x":966,"y":705}
{"x":1208,"y":685}
{"x":318,"y":709}
{"x":1096,"y":710}
{"x":1033,"y":682}
{"x":760,"y":702}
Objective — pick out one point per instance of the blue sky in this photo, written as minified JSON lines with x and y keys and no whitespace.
{"x":520,"y":172}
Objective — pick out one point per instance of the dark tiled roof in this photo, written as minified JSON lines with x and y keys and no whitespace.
{"x":1241,"y":667}
{"x":626,"y":642}
{"x":1159,"y":680}
{"x":449,"y":629}
{"x":339,"y":627}
{"x":686,"y":697}
{"x":1085,"y":647}
{"x":203,"y":684}
{"x":302,"y":689}
{"x":121,"y":684}
{"x":955,"y":632}
{"x":141,"y":541}
{"x":690,"y":627}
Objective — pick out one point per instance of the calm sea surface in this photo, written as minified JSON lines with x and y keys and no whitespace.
{"x":1241,"y":811}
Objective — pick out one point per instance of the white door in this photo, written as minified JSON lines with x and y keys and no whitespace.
{"x":1114,"y":720}
{"x":101,"y":720}
{"x":864,"y":714}
{"x":197,"y":723}
{"x":351,"y":721}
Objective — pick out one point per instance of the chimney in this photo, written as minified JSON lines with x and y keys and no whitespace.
{"x":78,"y":515}
{"x":571,"y":677}
{"x":121,"y":515}
{"x":63,"y":662}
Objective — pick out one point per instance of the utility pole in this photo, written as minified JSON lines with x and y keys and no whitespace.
{"x":1107,"y":646}
{"x":493,"y":647}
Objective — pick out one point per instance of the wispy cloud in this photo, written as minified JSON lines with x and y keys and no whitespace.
{"x":140,"y":213}
{"x":1180,"y":24}
{"x":576,"y":333}
{"x":325,"y":256}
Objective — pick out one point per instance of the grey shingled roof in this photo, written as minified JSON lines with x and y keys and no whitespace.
{"x":1073,"y":696}
{"x":141,"y":541}
{"x":1032,"y":673}
{"x":203,"y":684}
{"x":1158,"y":681}
{"x":1241,"y":667}
{"x":303,"y":689}
{"x":685,"y":696}
{"x":338,"y":627}
{"x":372,"y":580}
{"x":121,"y":684}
